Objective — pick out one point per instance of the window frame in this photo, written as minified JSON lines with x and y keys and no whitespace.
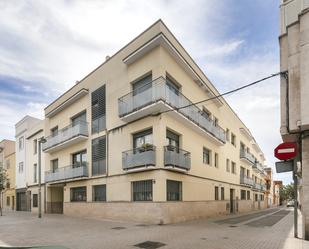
{"x":216,"y":162}
{"x":134,"y":184}
{"x":216,"y":193}
{"x":35,"y":200}
{"x":94,"y":199}
{"x":207,"y":159}
{"x":84,"y":194}
{"x":222,"y":193}
{"x":169,"y":193}
{"x":243,"y":195}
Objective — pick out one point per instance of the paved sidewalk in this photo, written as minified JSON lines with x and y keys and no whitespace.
{"x":24,"y":229}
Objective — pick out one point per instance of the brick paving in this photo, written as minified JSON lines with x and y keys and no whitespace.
{"x":25,"y":229}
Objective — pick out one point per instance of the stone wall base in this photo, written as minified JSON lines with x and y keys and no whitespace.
{"x":153,"y":212}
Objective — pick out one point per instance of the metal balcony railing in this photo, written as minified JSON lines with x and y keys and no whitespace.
{"x":66,"y":134}
{"x":66,"y":173}
{"x":246,"y":180}
{"x":248,"y":156}
{"x":139,"y":157}
{"x":176,"y":157}
{"x":159,"y":90}
{"x":258,"y":167}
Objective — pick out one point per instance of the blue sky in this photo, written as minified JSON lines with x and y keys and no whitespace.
{"x":46,"y":46}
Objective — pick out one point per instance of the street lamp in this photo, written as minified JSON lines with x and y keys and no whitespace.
{"x":41,"y":140}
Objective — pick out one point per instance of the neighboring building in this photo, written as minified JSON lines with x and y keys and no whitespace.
{"x":23,"y":129}
{"x":294,"y":58}
{"x":269,"y":187}
{"x":116,"y":146}
{"x":276,"y":193}
{"x":7,"y":162}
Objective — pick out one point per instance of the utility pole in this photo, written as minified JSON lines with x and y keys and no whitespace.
{"x":295,"y":199}
{"x":41,"y":140}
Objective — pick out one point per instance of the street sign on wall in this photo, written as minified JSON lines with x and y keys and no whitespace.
{"x":286,"y":151}
{"x":284,"y":166}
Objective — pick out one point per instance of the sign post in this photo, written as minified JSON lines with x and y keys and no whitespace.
{"x":287,"y":153}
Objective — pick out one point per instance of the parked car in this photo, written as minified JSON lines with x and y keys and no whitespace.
{"x":290,"y":203}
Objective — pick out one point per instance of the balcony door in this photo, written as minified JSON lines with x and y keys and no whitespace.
{"x":79,"y":159}
{"x":172,"y":140}
{"x":173,"y":91}
{"x":143,"y":140}
{"x":142,"y":92}
{"x":80,"y":118}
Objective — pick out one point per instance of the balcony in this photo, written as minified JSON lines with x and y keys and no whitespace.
{"x":67,"y":136}
{"x":139,"y":158}
{"x":176,"y":158}
{"x":246,"y":156}
{"x":246,"y":180}
{"x":159,"y":98}
{"x":66,"y":173}
{"x":258,"y":167}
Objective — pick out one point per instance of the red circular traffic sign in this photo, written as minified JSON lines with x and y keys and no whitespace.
{"x":286,"y":151}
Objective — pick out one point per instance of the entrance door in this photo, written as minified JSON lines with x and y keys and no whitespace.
{"x":232,"y":201}
{"x":55,"y":202}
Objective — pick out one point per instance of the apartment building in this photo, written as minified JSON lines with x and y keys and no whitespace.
{"x":126,"y":142}
{"x":25,"y":130}
{"x":294,"y":56}
{"x":269,"y":186}
{"x":7,"y":163}
{"x":276,"y":192}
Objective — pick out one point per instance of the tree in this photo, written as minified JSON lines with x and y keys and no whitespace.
{"x":287,"y":192}
{"x":3,"y":180}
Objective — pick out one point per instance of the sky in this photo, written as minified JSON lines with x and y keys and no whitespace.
{"x":46,"y":46}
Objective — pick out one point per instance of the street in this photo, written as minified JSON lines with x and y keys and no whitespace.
{"x":267,"y":229}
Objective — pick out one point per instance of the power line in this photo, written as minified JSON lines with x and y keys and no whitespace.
{"x":229,"y":92}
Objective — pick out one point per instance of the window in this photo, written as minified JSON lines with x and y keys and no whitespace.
{"x":35,"y":170}
{"x":99,"y":193}
{"x":242,"y":146}
{"x":54,"y":165}
{"x":54,"y":131}
{"x":262,"y":197}
{"x":8,"y":201}
{"x":79,"y":159}
{"x":206,"y":156}
{"x":242,"y":171}
{"x":227,"y":135}
{"x":172,"y":86}
{"x":142,"y":85}
{"x":216,"y":160}
{"x":216,"y":193}
{"x":248,"y":195}
{"x":243,"y":194}
{"x":35,"y":146}
{"x":173,"y":190}
{"x":227,"y":165}
{"x":256,"y":197}
{"x":143,"y":138}
{"x":222,"y":193}
{"x":20,"y":167}
{"x":98,"y":110}
{"x":79,"y":118}
{"x":8,"y":185}
{"x":233,"y":168}
{"x":35,"y":200}
{"x":78,"y":194}
{"x":142,"y":190}
{"x":99,"y":156}
{"x":206,"y":113}
{"x":233,"y":139}
{"x":216,"y":121}
{"x":21,"y":143}
{"x":172,"y":139}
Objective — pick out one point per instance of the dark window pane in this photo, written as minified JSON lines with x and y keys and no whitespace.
{"x":98,"y":110}
{"x":173,"y":190}
{"x":142,"y":190}
{"x":99,"y":193}
{"x":79,"y":194}
{"x":35,"y":200}
{"x":142,"y":85}
{"x":99,"y":156}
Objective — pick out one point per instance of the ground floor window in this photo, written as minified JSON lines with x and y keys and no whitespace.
{"x":222,"y":193}
{"x":8,"y":201}
{"x":142,"y":190}
{"x":173,"y":190}
{"x":243,"y":194}
{"x":216,"y":193}
{"x":248,"y":195}
{"x":256,"y":197}
{"x":99,"y":193}
{"x":78,"y":194}
{"x":35,"y":200}
{"x":262,"y":197}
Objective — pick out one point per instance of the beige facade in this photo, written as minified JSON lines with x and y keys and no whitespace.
{"x":7,"y":162}
{"x":117,"y":147}
{"x":294,"y":58}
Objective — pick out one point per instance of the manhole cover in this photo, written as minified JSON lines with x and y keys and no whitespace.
{"x":233,"y":226}
{"x":225,"y":238}
{"x":150,"y":245}
{"x":118,"y":228}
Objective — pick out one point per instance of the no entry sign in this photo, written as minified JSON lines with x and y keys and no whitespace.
{"x":286,"y":151}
